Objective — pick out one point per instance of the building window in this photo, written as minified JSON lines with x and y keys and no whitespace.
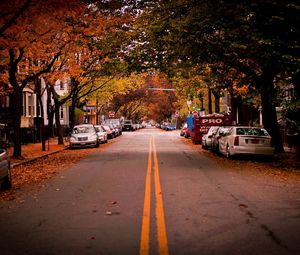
{"x":61,"y":85}
{"x":30,"y":105}
{"x":24,"y":105}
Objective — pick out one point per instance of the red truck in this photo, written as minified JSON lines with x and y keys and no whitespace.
{"x":199,"y":125}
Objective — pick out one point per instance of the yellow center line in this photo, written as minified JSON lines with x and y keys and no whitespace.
{"x":145,"y":234}
{"x":160,"y":218}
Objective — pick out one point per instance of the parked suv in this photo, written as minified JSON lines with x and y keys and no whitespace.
{"x":128,"y":125}
{"x":5,"y":177}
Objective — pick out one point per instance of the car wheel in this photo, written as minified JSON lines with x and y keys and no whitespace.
{"x":6,"y":184}
{"x":97,"y":145}
{"x":217,"y":149}
{"x":228,"y":152}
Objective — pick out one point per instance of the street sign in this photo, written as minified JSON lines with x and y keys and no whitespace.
{"x":111,"y":114}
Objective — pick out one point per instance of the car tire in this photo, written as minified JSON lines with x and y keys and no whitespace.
{"x":217,"y":149}
{"x":97,"y":145}
{"x":6,"y":184}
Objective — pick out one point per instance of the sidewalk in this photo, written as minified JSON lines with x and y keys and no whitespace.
{"x":34,"y":150}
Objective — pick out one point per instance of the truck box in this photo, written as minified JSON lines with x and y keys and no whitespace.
{"x":199,"y":125}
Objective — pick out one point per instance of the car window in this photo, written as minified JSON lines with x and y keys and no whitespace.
{"x":81,"y":130}
{"x":106,"y":128}
{"x":224,"y":130}
{"x":99,"y":128}
{"x":252,"y":131}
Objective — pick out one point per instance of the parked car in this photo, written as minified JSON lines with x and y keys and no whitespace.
{"x":246,"y":140}
{"x":185,"y":131}
{"x":110,"y":131}
{"x":128,"y":125}
{"x":84,"y":135}
{"x":118,"y":129}
{"x":170,"y":127}
{"x":102,"y":135}
{"x":5,"y":176}
{"x":114,"y":130}
{"x":182,"y":130}
{"x":114,"y":122}
{"x":207,"y":138}
{"x":216,"y":136}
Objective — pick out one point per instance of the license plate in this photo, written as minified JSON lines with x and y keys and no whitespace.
{"x":255,"y":141}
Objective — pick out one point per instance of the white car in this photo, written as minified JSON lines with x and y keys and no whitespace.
{"x":84,"y":136}
{"x":5,"y":177}
{"x":102,"y":135}
{"x":245,"y":140}
{"x":207,"y":138}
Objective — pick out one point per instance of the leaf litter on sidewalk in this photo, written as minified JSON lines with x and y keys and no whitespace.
{"x":33,"y":174}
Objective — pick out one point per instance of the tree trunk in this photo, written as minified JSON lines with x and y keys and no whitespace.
{"x":17,"y":112}
{"x":269,"y":115}
{"x":57,"y":123}
{"x":74,"y":101}
{"x":233,"y":105}
{"x":209,"y":101}
{"x":50,"y":113}
{"x":40,"y":103}
{"x":217,"y":101}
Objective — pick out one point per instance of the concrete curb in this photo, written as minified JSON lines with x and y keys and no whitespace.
{"x":36,"y":158}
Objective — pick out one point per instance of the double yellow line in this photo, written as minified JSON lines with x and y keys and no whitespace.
{"x":160,"y":218}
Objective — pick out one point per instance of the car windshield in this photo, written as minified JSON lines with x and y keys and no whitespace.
{"x":251,"y":131}
{"x":98,"y":128}
{"x":106,"y":128}
{"x":81,"y":130}
{"x":113,"y":121}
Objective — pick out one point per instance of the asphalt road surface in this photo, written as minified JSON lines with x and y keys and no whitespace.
{"x":149,"y":192}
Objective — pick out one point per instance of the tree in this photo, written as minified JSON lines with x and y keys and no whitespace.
{"x":259,"y":39}
{"x":29,"y":49}
{"x":67,"y":46}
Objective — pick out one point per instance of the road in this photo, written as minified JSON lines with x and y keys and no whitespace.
{"x":149,"y":192}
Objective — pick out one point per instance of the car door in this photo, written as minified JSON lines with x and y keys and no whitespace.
{"x":224,"y":134}
{"x":3,"y":164}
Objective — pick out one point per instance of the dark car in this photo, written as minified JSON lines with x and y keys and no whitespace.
{"x":128,"y":125}
{"x":5,"y":177}
{"x":110,"y":131}
{"x":170,"y":126}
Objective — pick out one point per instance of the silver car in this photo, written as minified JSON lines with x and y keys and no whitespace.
{"x":207,"y":138}
{"x":5,"y":176}
{"x":246,"y":140}
{"x":84,"y":136}
{"x":102,"y":135}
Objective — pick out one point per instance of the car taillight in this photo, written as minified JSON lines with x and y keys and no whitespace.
{"x":236,"y":141}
